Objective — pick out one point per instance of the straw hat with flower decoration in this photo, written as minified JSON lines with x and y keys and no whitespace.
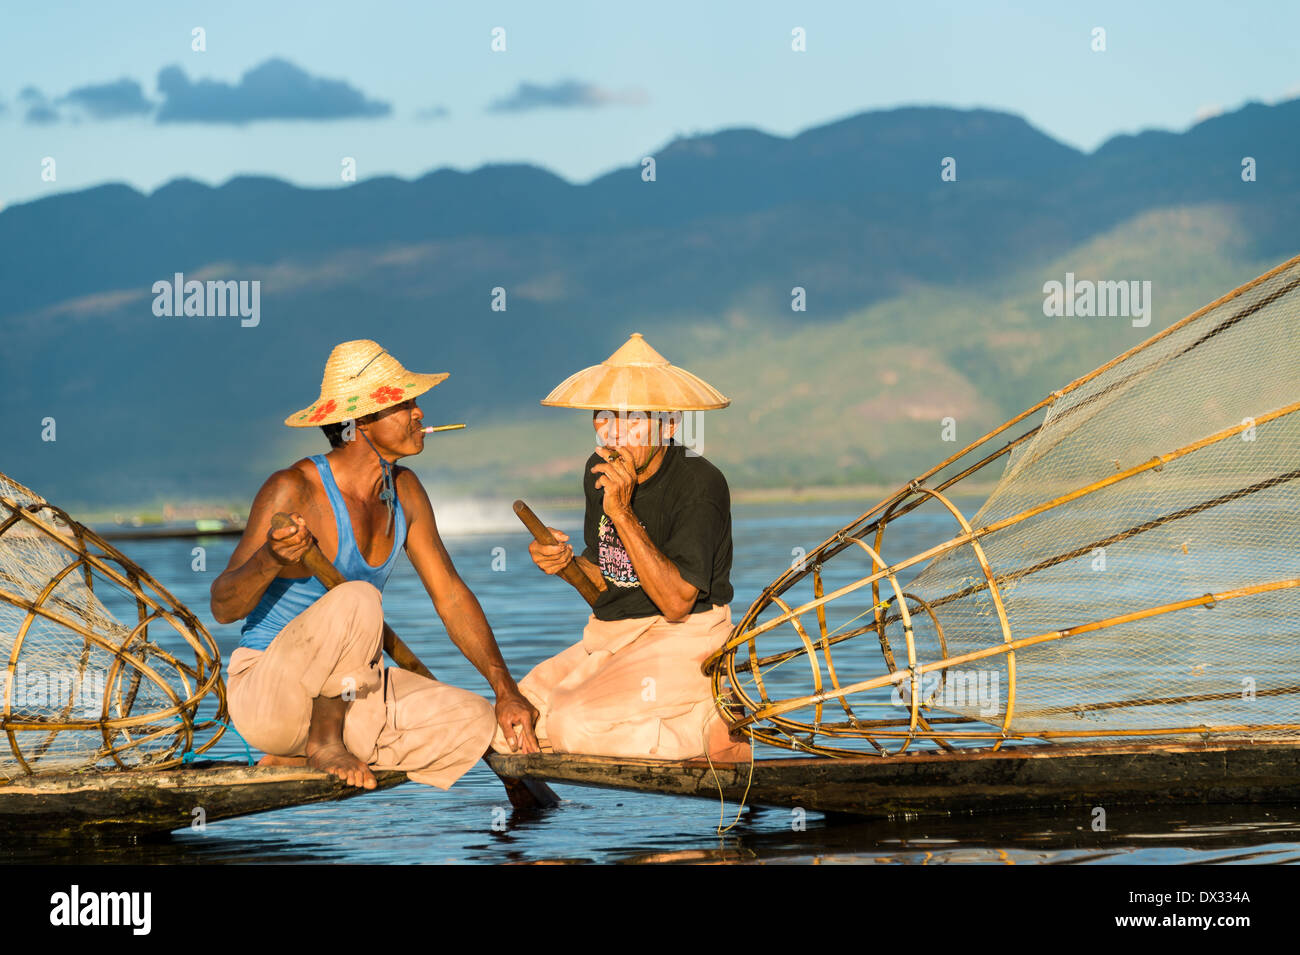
{"x":636,"y":378}
{"x":361,"y":378}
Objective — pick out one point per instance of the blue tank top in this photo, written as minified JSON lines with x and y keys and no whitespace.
{"x":286,"y":597}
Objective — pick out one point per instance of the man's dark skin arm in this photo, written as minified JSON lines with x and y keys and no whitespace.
{"x":260,"y":555}
{"x":659,"y":576}
{"x":462,"y":615}
{"x":552,"y":558}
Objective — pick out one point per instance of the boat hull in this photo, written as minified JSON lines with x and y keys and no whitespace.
{"x":1021,"y":778}
{"x":120,"y":803}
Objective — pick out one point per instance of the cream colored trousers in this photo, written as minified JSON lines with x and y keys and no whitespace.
{"x":634,"y":688}
{"x":400,"y":720}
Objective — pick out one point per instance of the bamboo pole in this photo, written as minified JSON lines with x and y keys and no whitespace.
{"x":1209,"y":599}
{"x":1155,"y":463}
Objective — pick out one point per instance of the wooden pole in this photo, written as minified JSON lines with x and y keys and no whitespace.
{"x":329,"y":575}
{"x":571,"y":572}
{"x":523,"y":793}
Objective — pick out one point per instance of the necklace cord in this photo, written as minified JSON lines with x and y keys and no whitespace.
{"x":389,"y":494}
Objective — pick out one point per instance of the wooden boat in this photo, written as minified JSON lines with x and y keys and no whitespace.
{"x":140,"y":802}
{"x":939,"y":783}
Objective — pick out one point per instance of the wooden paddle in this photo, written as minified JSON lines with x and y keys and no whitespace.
{"x":523,"y":793}
{"x":571,"y":572}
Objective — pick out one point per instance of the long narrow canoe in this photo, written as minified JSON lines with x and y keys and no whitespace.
{"x":120,"y":803}
{"x":1025,"y":777}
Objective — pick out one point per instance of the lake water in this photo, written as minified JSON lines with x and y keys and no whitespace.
{"x":534,"y":617}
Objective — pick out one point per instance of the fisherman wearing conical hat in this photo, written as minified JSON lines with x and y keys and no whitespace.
{"x":657,"y":540}
{"x":308,"y":679}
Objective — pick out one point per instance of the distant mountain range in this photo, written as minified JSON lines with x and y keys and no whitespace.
{"x":924,"y":296}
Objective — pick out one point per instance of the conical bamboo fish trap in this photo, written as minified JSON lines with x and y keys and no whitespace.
{"x":1134,"y":574}
{"x":81,"y":689}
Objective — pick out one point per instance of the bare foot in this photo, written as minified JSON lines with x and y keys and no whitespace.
{"x":335,"y":759}
{"x":269,"y":760}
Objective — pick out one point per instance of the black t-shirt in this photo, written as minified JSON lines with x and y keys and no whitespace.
{"x":685,"y":508}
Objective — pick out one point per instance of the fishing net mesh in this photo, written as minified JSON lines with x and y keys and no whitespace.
{"x":1134,"y":575}
{"x":99,"y":665}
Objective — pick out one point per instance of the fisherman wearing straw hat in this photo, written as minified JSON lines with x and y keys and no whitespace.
{"x":658,"y":547}
{"x":308,"y":680}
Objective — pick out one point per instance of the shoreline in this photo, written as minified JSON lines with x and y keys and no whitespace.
{"x":150,"y":517}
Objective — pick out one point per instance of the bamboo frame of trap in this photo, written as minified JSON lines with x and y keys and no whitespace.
{"x":763,"y":719}
{"x":90,"y":555}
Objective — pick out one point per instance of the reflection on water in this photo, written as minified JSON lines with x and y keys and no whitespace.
{"x":410,"y":824}
{"x":534,"y":617}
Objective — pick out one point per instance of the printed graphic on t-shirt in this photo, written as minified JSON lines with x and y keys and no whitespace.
{"x":615,"y":565}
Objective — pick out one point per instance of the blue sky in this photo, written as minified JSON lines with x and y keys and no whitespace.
{"x":634,"y":76}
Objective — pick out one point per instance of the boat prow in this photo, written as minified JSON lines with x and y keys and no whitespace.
{"x":118,"y":803}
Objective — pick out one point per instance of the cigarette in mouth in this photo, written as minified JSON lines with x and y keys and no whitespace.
{"x":441,"y":427}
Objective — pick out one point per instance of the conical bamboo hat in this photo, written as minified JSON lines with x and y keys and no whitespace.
{"x":636,"y":378}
